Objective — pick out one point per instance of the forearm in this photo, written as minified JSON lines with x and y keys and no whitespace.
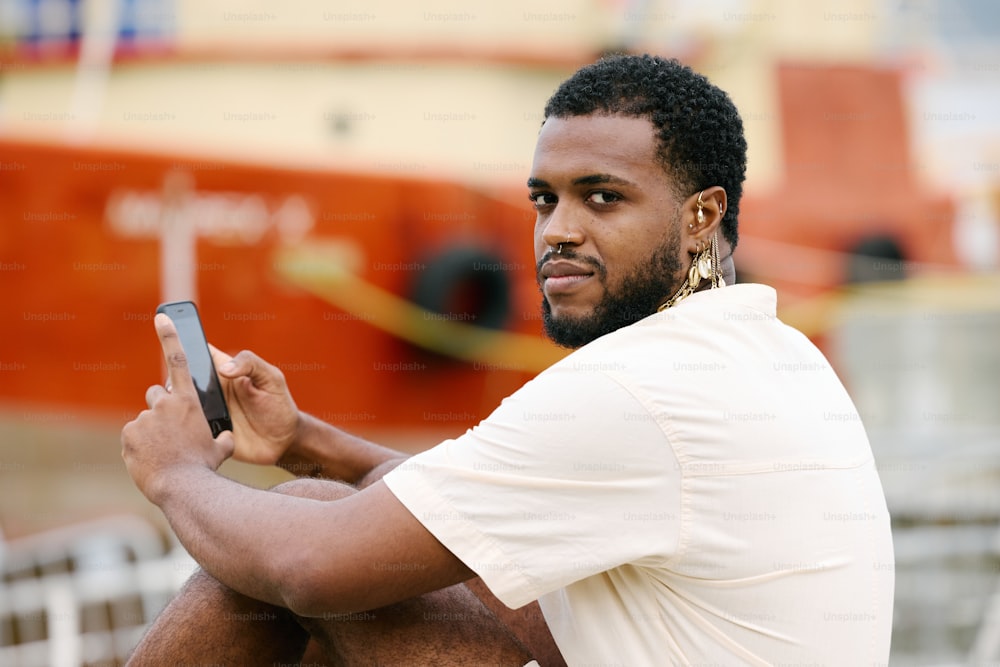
{"x":337,"y":550}
{"x":244,"y":537}
{"x":322,"y":450}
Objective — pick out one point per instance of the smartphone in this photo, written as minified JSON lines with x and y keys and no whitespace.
{"x":206,"y":381}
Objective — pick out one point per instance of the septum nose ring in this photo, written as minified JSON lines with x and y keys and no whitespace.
{"x":559,"y":249}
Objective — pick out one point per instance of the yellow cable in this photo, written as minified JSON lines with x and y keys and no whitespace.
{"x":323,"y":271}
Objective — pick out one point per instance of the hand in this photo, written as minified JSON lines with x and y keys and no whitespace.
{"x":265,"y":418}
{"x":173,"y":432}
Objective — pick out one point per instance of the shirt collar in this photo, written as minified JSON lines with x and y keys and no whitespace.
{"x":763,"y":298}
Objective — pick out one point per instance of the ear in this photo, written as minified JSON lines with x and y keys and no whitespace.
{"x":702,"y":217}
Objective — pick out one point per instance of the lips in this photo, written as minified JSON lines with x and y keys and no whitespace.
{"x":561,"y":276}
{"x":562,"y":269}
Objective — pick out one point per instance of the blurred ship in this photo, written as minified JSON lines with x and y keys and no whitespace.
{"x":417,"y":305}
{"x":342,"y":192}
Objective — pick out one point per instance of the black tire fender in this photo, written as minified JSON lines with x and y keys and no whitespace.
{"x":465,"y":284}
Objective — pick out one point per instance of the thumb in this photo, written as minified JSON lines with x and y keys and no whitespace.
{"x":222,"y":362}
{"x":261,"y":374}
{"x":226,"y":444}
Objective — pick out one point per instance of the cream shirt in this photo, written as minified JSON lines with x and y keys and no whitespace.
{"x":694,"y":489}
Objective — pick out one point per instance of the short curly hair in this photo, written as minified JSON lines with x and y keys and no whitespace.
{"x":699,"y":128}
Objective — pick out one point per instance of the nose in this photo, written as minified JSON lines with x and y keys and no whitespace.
{"x":561,"y":228}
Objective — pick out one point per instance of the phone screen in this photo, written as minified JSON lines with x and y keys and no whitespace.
{"x":192,"y":337}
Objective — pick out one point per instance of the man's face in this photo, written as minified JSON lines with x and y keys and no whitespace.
{"x":598,"y":188}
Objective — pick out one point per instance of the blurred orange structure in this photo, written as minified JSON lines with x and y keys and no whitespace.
{"x":850,"y":183}
{"x":89,"y":220}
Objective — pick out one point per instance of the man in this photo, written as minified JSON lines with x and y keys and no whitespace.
{"x":673,"y":492}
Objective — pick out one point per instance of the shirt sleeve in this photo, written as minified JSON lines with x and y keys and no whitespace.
{"x":569,"y":477}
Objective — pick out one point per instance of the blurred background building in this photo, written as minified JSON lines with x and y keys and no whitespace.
{"x":341,"y":187}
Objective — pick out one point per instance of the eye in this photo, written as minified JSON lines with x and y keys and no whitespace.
{"x":540,"y":199}
{"x":603,"y":197}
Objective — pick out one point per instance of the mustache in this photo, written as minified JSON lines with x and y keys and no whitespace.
{"x":570,"y":254}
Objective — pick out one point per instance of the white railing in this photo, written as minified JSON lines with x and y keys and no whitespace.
{"x":85,"y":593}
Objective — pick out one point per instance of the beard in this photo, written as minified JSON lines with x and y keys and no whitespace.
{"x":640,"y":292}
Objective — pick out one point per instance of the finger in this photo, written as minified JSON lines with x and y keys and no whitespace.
{"x":126,"y":435}
{"x":153,"y":394}
{"x":178,"y":374}
{"x":226,"y":443}
{"x":219,"y":358}
{"x":261,"y":373}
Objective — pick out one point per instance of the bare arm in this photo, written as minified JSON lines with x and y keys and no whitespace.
{"x":357,"y":553}
{"x":362,"y":551}
{"x":269,"y":429}
{"x":322,"y":450}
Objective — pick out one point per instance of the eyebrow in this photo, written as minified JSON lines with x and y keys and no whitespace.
{"x":592,"y":179}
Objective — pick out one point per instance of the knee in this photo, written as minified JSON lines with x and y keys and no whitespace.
{"x":316,"y":489}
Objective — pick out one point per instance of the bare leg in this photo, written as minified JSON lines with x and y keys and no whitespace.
{"x":208,"y":623}
{"x":526,"y":623}
{"x":446,"y":627}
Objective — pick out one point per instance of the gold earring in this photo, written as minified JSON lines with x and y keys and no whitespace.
{"x":704,"y":266}
{"x":701,"y":209}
